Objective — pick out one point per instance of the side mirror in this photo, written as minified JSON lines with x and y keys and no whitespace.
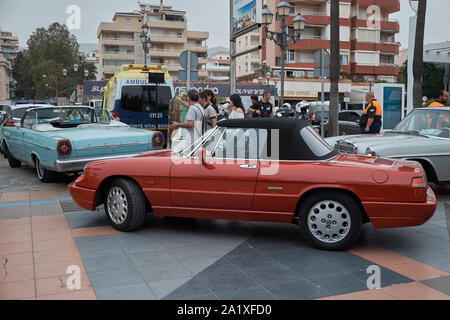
{"x":202,"y":156}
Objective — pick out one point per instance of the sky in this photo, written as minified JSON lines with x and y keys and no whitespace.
{"x":24,"y":16}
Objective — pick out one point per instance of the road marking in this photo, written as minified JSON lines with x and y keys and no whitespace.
{"x":18,"y":204}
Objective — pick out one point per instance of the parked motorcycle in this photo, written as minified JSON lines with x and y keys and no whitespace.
{"x":286,"y":111}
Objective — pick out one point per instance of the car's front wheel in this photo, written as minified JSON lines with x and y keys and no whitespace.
{"x":43,"y":174}
{"x":125,"y":205}
{"x":330,"y":220}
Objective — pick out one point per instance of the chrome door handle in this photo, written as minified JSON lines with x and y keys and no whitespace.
{"x":249,"y":166}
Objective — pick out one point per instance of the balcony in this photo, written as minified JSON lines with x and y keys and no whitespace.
{"x":319,"y":18}
{"x":385,"y":25}
{"x":116,"y":41}
{"x":198,"y":35}
{"x":317,"y":43}
{"x":390,"y":47}
{"x":168,"y":39}
{"x":196,"y":48}
{"x":179,"y":25}
{"x":154,"y":52}
{"x":384,"y":69}
{"x":114,"y":28}
{"x":389,"y":6}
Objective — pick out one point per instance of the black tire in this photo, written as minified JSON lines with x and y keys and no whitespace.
{"x":13,"y":162}
{"x":42,"y":173}
{"x":130,"y":193}
{"x":340,"y":220}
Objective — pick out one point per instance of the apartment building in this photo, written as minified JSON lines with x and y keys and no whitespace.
{"x":4,"y":79}
{"x":9,"y":44}
{"x":368,"y":48}
{"x":246,"y":65}
{"x":119,"y":41}
{"x":93,"y":57}
{"x":218,"y":66}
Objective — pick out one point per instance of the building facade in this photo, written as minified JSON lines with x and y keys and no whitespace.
{"x":218,"y":66}
{"x":94,"y":57}
{"x":248,"y":64}
{"x":4,"y":79}
{"x":119,"y":41}
{"x":368,"y":46}
{"x":9,"y":44}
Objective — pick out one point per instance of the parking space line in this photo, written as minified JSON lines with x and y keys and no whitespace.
{"x":28,"y":203}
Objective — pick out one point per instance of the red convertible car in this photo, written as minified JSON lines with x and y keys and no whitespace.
{"x":274,"y":170}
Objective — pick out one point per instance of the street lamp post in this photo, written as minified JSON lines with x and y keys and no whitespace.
{"x":283,"y":39}
{"x":146,"y":41}
{"x":75,"y":69}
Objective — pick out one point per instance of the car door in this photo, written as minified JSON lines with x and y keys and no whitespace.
{"x":14,"y":140}
{"x":228,"y":180}
{"x":28,"y":136}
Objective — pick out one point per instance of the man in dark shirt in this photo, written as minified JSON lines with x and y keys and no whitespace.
{"x":370,"y":122}
{"x":266,"y":106}
{"x":255,"y":109}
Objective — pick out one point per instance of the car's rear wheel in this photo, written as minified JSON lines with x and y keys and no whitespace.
{"x":43,"y":174}
{"x":330,"y":220}
{"x":13,"y":162}
{"x":125,"y":205}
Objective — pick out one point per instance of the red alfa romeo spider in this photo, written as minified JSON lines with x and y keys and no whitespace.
{"x":276,"y":170}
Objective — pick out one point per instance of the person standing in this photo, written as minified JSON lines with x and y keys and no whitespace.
{"x":266,"y":107}
{"x":194,"y":124}
{"x":255,"y":109}
{"x":212,"y":99}
{"x":441,"y":99}
{"x":370,"y":122}
{"x":236,"y":108}
{"x":210,"y":112}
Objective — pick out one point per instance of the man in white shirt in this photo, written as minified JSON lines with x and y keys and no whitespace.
{"x":194,"y":124}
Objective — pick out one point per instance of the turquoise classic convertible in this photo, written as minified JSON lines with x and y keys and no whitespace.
{"x":64,"y":139}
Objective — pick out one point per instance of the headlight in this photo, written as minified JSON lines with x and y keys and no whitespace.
{"x":370,"y":152}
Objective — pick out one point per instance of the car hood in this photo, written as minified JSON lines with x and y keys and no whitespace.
{"x":385,"y":144}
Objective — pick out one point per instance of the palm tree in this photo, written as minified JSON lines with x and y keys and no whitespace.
{"x":335,"y":69}
{"x":418,"y":54}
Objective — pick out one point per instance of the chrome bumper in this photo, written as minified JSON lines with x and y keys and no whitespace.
{"x":78,"y":165}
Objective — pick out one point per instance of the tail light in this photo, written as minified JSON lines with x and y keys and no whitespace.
{"x":11,"y":123}
{"x":158,"y":140}
{"x":419,"y":182}
{"x":116,"y":116}
{"x":313,"y":117}
{"x":64,"y":148}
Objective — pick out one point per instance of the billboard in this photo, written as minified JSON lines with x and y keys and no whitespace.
{"x":246,"y":13}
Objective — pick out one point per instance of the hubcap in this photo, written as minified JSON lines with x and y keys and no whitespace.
{"x":117,"y":204}
{"x":329,"y":221}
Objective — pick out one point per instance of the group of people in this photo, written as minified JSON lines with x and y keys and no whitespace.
{"x":203,"y":111}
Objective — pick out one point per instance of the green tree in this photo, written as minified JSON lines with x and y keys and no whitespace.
{"x":433,"y":78}
{"x":38,"y":70}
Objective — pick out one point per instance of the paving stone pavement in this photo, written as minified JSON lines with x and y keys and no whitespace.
{"x":43,"y":233}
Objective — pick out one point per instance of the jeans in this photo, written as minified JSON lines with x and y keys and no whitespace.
{"x":374,"y":129}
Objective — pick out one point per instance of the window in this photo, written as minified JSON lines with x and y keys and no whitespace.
{"x":146,"y":98}
{"x":128,"y":20}
{"x":349,"y":116}
{"x":344,"y":59}
{"x":29,"y":120}
{"x":367,"y":35}
{"x":237,"y":143}
{"x":290,"y":56}
{"x":318,"y":146}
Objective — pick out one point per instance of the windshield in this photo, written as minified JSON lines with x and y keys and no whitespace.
{"x":67,"y":117}
{"x":319,"y":108}
{"x":18,"y":113}
{"x":429,"y":122}
{"x":154,"y":99}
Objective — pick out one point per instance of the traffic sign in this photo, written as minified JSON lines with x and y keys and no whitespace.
{"x":182,"y":75}
{"x":326,"y":56}
{"x":184,"y":60}
{"x":318,"y":72}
